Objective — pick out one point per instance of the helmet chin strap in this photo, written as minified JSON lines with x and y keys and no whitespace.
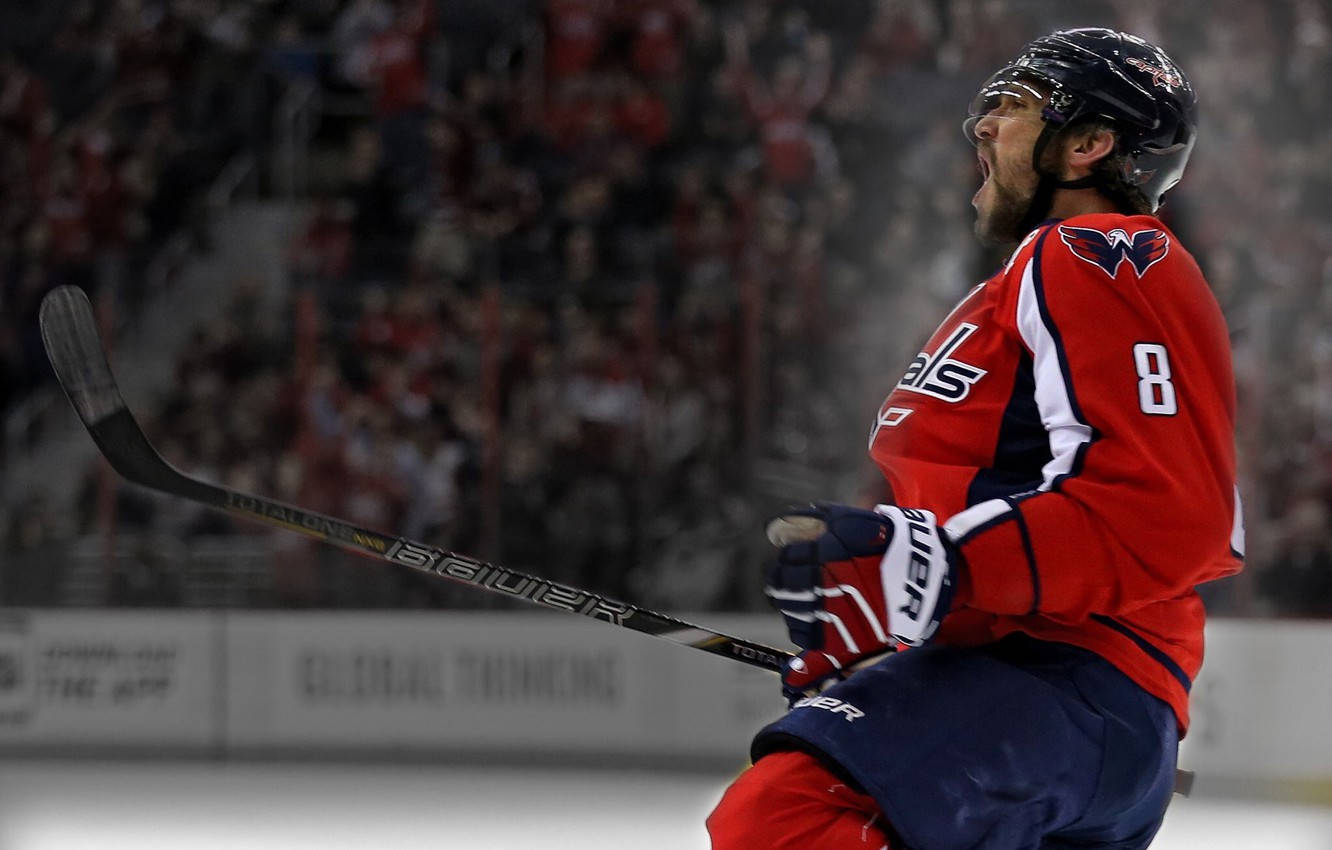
{"x":1039,"y":208}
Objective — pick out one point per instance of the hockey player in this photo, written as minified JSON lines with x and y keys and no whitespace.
{"x":1061,"y":463}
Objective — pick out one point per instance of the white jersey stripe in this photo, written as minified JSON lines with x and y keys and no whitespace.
{"x":974,"y":517}
{"x":1237,"y":528}
{"x":1067,"y":435}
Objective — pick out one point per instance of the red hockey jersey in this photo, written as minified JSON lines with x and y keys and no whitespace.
{"x":1073,"y":418}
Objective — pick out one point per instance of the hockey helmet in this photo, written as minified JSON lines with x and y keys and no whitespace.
{"x":1114,"y":76}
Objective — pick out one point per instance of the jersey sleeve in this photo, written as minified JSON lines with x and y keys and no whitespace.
{"x":1133,"y":382}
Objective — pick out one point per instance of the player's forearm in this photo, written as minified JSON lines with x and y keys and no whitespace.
{"x":1054,"y":554}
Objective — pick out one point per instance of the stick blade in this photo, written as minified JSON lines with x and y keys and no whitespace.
{"x":69,"y":332}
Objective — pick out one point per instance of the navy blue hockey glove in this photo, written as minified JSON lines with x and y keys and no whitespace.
{"x":852,"y":584}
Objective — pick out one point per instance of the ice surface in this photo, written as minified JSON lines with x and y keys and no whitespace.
{"x":62,"y":805}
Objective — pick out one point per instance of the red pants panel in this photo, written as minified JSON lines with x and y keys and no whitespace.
{"x":788,"y":801}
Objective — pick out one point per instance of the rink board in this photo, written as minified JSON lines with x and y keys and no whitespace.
{"x":1261,"y":710}
{"x":470,"y":685}
{"x":474,"y":683}
{"x":71,"y":679}
{"x":533,"y":686}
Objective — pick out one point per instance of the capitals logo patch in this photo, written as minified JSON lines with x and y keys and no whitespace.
{"x":1107,"y":250}
{"x":1162,"y":75}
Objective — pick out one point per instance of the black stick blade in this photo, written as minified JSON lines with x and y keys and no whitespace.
{"x":69,"y":332}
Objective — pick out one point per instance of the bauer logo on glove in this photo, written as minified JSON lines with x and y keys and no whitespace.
{"x":853,"y":583}
{"x":913,"y":600}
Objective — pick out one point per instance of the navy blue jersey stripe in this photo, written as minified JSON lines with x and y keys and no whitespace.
{"x":1031,"y":558}
{"x":1023,"y":446}
{"x":1146,"y":646}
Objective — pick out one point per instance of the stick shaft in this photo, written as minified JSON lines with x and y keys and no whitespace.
{"x":80,"y":364}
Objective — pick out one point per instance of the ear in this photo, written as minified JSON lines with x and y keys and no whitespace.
{"x":1085,"y":149}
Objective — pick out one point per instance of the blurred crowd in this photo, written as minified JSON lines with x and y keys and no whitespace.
{"x":114,"y":118}
{"x":589,"y":287}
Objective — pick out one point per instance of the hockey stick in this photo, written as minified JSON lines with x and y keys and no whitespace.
{"x":79,"y":359}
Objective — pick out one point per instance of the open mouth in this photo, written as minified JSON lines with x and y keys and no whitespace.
{"x":983,"y":165}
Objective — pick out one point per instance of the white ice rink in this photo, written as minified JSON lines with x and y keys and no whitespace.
{"x":183,"y":806}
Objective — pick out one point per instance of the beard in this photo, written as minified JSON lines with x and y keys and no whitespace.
{"x":1001,"y":223}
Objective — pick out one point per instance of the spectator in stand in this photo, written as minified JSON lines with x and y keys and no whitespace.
{"x":1299,"y":579}
{"x":659,"y":30}
{"x":641,"y":115}
{"x":782,"y":109}
{"x":576,"y":34}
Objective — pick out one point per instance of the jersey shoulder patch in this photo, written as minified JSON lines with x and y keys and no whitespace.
{"x":1108,"y":249}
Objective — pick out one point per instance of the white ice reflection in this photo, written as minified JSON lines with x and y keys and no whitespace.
{"x":186,"y":806}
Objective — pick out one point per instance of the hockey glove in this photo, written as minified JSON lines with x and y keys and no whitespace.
{"x":852,"y":584}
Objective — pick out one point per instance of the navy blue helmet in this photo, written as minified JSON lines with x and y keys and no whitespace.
{"x":1121,"y":79}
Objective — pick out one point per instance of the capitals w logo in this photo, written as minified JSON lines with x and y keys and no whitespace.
{"x":1107,"y":250}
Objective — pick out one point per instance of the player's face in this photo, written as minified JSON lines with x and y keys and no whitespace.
{"x":1004,"y":135}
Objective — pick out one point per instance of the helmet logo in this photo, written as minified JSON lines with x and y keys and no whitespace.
{"x":1061,"y":106}
{"x":1143,"y":249}
{"x":1163,"y":77}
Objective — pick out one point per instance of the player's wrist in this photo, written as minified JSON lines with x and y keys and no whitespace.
{"x":917,"y":574}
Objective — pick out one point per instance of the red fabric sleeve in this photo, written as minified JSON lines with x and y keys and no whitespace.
{"x":1134,"y":384}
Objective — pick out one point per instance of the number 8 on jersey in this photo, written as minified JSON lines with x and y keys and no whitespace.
{"x":1156,"y":393}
